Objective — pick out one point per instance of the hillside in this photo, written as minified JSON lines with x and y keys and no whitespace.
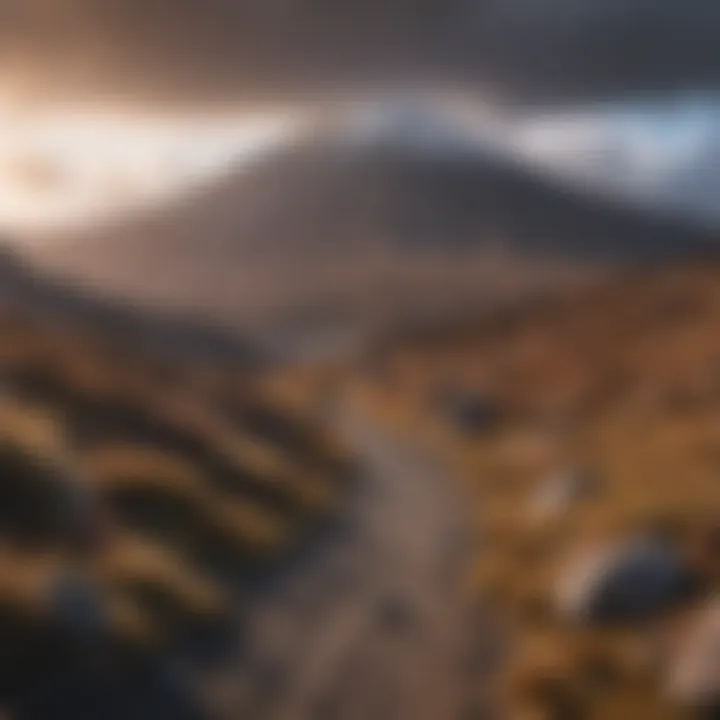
{"x":142,"y":499}
{"x":331,"y":235}
{"x":24,"y":287}
{"x":584,"y":429}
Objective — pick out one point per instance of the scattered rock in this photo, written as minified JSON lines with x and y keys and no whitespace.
{"x":630,"y":580}
{"x":468,"y":411}
{"x":694,"y":670}
{"x":78,"y":607}
{"x":556,"y":496}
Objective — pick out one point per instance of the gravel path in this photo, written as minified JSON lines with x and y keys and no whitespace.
{"x":379,"y":626}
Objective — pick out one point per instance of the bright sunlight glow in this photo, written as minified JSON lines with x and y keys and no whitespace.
{"x":64,"y":167}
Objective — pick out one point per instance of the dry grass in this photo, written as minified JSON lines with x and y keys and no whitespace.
{"x":138,"y":489}
{"x":621,"y":380}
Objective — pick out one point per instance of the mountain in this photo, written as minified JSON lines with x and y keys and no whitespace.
{"x":329,"y":236}
{"x":147,"y":482}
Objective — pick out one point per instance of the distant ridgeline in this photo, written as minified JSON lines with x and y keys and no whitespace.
{"x":158,"y":332}
{"x":138,"y":495}
{"x":329,"y":235}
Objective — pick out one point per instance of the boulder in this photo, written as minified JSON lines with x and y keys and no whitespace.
{"x":77,"y":607}
{"x":629,"y":580}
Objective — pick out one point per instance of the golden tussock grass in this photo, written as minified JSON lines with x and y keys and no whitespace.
{"x":621,"y":380}
{"x":143,"y":486}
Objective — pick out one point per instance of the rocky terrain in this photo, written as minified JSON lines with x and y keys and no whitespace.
{"x":584,"y":428}
{"x":144,"y":496}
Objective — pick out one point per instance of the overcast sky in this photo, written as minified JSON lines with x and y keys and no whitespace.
{"x":235,"y":50}
{"x":200,"y":49}
{"x":266,"y":55}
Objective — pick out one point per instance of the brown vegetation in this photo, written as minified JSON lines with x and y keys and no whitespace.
{"x":136,"y":492}
{"x":608,"y":433}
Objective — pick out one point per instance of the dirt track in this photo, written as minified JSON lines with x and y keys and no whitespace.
{"x":380,"y":625}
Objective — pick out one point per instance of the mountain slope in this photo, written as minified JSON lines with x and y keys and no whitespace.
{"x":27,"y":290}
{"x":336,"y":234}
{"x":140,"y":494}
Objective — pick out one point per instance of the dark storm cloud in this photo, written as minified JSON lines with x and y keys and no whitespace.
{"x":238,"y":49}
{"x":203,"y":48}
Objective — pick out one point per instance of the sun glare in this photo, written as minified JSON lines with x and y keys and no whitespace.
{"x":61,"y":168}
